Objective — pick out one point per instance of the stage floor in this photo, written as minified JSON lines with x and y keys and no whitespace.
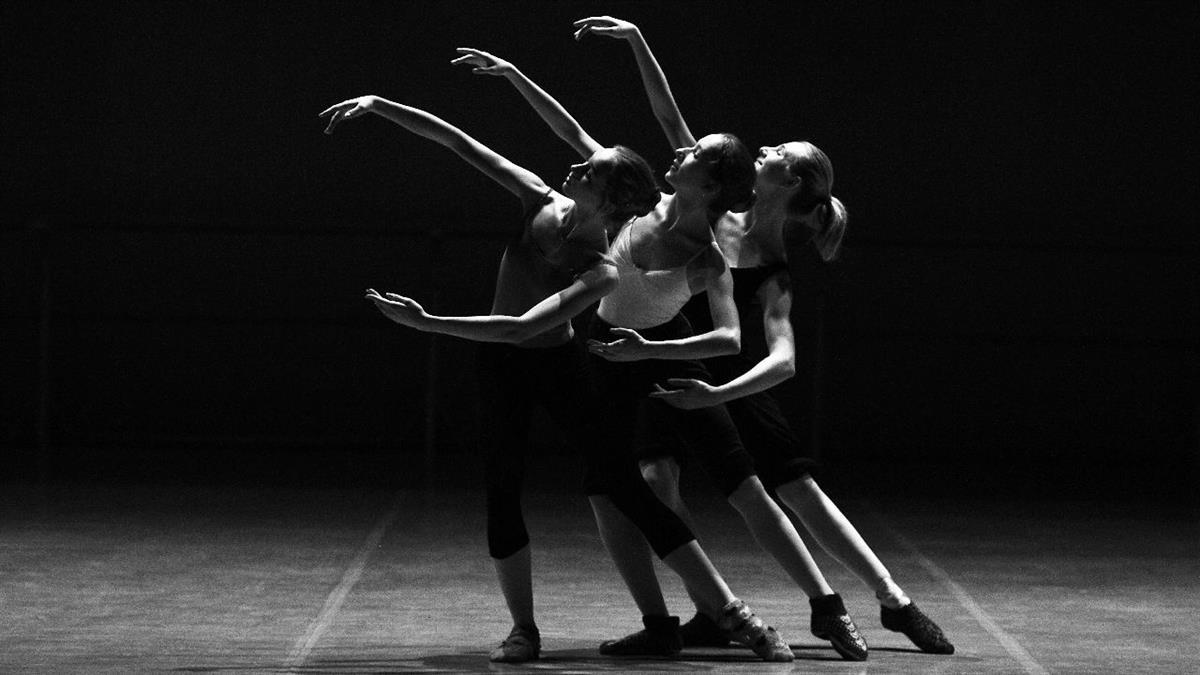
{"x":171,"y":579}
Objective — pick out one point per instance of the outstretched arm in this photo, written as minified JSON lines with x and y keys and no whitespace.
{"x":550,"y":312}
{"x":550,"y":110}
{"x":778,"y":365}
{"x":653,"y":79}
{"x":517,"y":180}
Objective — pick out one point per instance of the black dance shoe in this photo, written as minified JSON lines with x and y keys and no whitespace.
{"x":831,"y":621}
{"x":659,"y":638}
{"x":702,"y":631}
{"x":917,"y":627}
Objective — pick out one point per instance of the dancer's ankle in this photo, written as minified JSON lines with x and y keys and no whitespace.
{"x":890,"y":594}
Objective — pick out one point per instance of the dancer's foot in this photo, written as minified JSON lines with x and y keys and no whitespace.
{"x":741,"y":625}
{"x":522,"y":644}
{"x":701,"y":631}
{"x":831,"y":621}
{"x":660,"y":637}
{"x":919,"y":628}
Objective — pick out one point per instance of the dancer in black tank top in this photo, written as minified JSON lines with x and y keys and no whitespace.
{"x":794,"y":204}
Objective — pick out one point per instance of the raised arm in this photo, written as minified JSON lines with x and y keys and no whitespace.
{"x":550,"y":110}
{"x":550,"y":312}
{"x":657,"y":90}
{"x":517,"y":180}
{"x":777,"y":366}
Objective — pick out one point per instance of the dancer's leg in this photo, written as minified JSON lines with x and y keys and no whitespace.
{"x":509,"y":400}
{"x":834,"y":532}
{"x":778,"y":537}
{"x":711,"y":434}
{"x":516,"y":583}
{"x":662,"y":474}
{"x":631,"y":555}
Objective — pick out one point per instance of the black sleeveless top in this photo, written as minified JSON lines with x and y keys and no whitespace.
{"x":746,"y":282}
{"x":528,"y":274}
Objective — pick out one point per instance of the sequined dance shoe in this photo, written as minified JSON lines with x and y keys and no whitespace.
{"x":917,"y":627}
{"x":522,"y":644}
{"x":831,"y":621}
{"x":660,"y":637}
{"x":740,"y":624}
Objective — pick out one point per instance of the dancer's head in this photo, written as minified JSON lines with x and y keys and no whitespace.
{"x":718,"y":169}
{"x":615,"y":182}
{"x":805,"y":174}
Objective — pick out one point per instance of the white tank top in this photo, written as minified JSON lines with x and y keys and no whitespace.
{"x":644,"y":298}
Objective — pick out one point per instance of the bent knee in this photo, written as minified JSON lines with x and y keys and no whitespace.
{"x":663,"y":479}
{"x":748,"y":494}
{"x":801,"y":493}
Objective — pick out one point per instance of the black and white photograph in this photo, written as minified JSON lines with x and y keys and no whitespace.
{"x":569,"y":336}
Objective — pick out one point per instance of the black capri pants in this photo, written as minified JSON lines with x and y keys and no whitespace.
{"x":658,"y":429}
{"x":512,"y":381}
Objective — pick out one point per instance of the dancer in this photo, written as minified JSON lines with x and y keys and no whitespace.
{"x":793,"y":184}
{"x":659,"y":257}
{"x":553,"y":267}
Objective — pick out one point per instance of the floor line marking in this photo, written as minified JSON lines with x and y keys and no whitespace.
{"x":1010,"y":644}
{"x":333,"y":603}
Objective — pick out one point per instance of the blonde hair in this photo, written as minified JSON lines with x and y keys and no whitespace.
{"x":814,"y":202}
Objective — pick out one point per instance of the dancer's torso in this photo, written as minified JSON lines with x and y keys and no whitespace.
{"x":751,"y":269}
{"x":541,"y":261}
{"x":650,"y":297}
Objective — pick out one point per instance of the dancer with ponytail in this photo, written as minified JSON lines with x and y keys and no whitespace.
{"x":795,"y":202}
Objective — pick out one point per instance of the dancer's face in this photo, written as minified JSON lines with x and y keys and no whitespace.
{"x":773,"y":166}
{"x":587,"y":181}
{"x":691,"y":167}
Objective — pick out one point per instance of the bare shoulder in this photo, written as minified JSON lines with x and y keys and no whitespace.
{"x":548,"y":208}
{"x":709,"y":263}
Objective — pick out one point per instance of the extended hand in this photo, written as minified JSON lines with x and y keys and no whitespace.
{"x":402,"y":310}
{"x":630,"y":347}
{"x":605,"y":25}
{"x":483,"y":62}
{"x":348,"y":109}
{"x":687,"y":394}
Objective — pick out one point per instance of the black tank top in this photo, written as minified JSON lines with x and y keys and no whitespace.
{"x":746,"y":282}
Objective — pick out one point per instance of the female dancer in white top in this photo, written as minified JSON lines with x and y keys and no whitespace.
{"x":554,"y":266}
{"x":661,"y":257}
{"x":794,"y":205}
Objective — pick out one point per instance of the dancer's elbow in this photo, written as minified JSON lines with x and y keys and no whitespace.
{"x":729,"y":342}
{"x":519,"y":331}
{"x":786,"y":368}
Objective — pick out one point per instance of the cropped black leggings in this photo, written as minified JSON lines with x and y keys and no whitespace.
{"x":658,"y":429}
{"x":512,"y":381}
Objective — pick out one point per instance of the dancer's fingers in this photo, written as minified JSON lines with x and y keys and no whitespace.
{"x":625,"y":332}
{"x":334,"y":121}
{"x":683,"y":382}
{"x":590,"y":20}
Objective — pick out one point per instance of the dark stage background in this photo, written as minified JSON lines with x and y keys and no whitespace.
{"x":183,"y":251}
